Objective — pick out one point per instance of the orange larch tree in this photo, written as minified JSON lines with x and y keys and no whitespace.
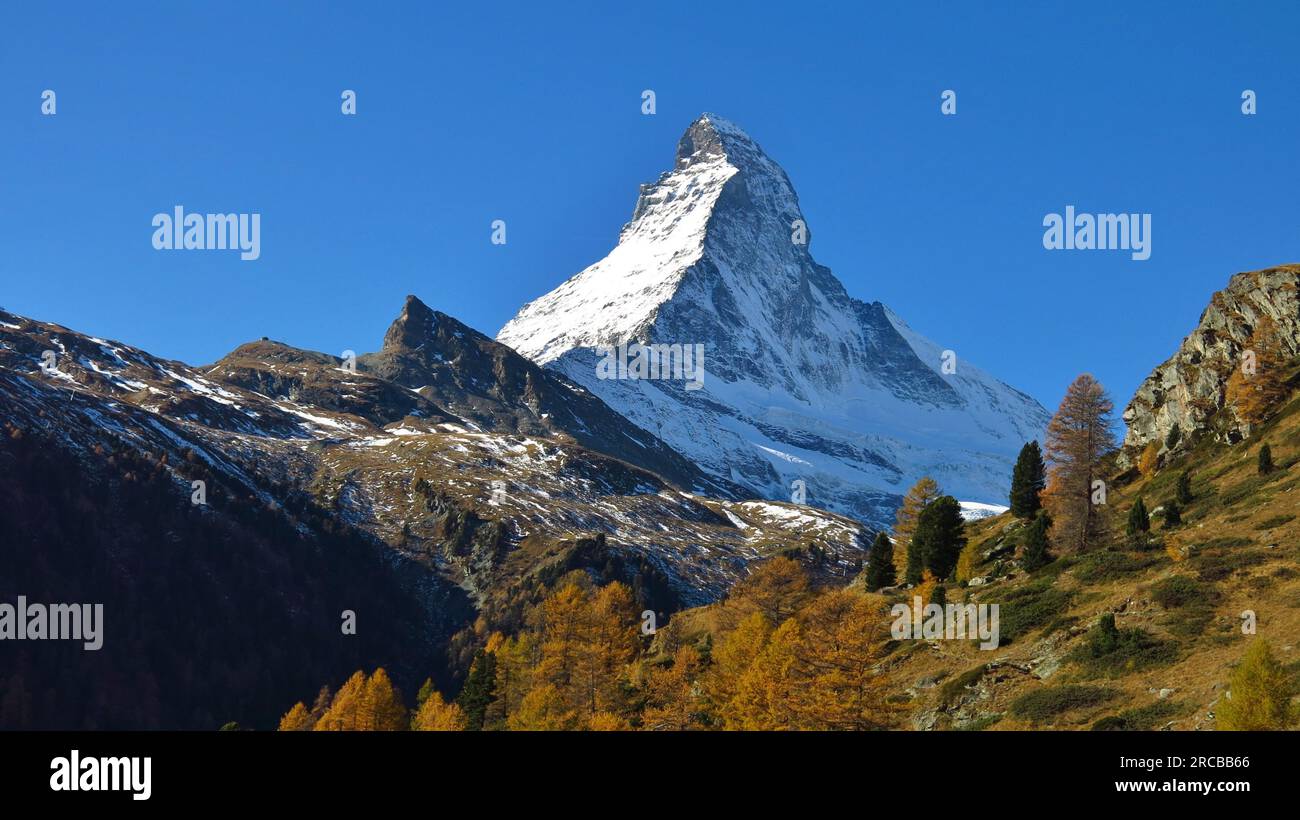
{"x":1078,"y":436}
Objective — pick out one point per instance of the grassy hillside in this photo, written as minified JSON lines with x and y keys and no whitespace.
{"x":1177,"y":596}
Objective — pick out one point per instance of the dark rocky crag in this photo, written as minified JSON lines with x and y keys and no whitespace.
{"x":1189,"y":388}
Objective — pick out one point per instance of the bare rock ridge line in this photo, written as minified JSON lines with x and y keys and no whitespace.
{"x":487,"y":383}
{"x":803,"y":381}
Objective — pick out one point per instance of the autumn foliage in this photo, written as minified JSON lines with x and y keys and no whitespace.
{"x":1078,"y":436}
{"x":1149,"y":460}
{"x":361,"y":704}
{"x":923,"y":492}
{"x":782,"y":655}
{"x":1258,"y":386}
{"x":1259,"y":695}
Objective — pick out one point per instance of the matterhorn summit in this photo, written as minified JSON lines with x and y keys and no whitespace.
{"x":807,"y":393}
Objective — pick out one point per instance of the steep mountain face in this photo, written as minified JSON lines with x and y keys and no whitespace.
{"x":801,"y":380}
{"x":1189,"y":388}
{"x":496,"y":389}
{"x":329,"y":490}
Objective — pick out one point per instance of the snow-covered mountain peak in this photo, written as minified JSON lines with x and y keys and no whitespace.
{"x":712,"y":139}
{"x":802,"y":381}
{"x":719,"y":169}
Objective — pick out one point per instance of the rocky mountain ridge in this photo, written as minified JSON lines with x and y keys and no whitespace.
{"x":487,"y":436}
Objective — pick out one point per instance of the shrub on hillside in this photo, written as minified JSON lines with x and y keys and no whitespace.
{"x":1275,"y":521}
{"x":1142,"y":719}
{"x":1113,"y":651}
{"x":1042,"y":704}
{"x":1029,"y":607}
{"x":955,"y":688}
{"x":1102,"y":567}
{"x":1171,"y":440}
{"x":1178,"y":591}
{"x":1217,"y":566}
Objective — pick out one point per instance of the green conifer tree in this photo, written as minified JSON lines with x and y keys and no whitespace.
{"x":940,"y":537}
{"x":479,"y":690}
{"x":1028,"y":478}
{"x":1138,"y":520}
{"x":880,"y":563}
{"x":1035,"y":553}
{"x":1265,"y":460}
{"x":1104,"y":637}
{"x":1173,"y":514}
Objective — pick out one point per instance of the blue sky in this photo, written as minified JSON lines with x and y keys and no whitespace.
{"x":532,"y":115}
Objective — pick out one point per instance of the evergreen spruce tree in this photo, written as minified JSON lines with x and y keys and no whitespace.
{"x":479,"y":690}
{"x":880,"y":563}
{"x":915,"y":563}
{"x":1184,"y":491}
{"x":1035,"y":549}
{"x":940,"y":537}
{"x":1173,"y":514}
{"x":1027,"y":480}
{"x":1265,"y":460}
{"x":1104,"y":637}
{"x":940,"y":596}
{"x":1138,"y":520}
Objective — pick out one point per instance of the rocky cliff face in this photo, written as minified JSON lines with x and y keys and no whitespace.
{"x":1189,"y":388}
{"x":489,"y":385}
{"x":803,"y":382}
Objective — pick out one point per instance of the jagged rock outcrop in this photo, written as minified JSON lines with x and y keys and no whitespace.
{"x":1189,"y":388}
{"x":490,"y":385}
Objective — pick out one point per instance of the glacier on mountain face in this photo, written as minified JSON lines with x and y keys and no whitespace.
{"x":803,"y":383}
